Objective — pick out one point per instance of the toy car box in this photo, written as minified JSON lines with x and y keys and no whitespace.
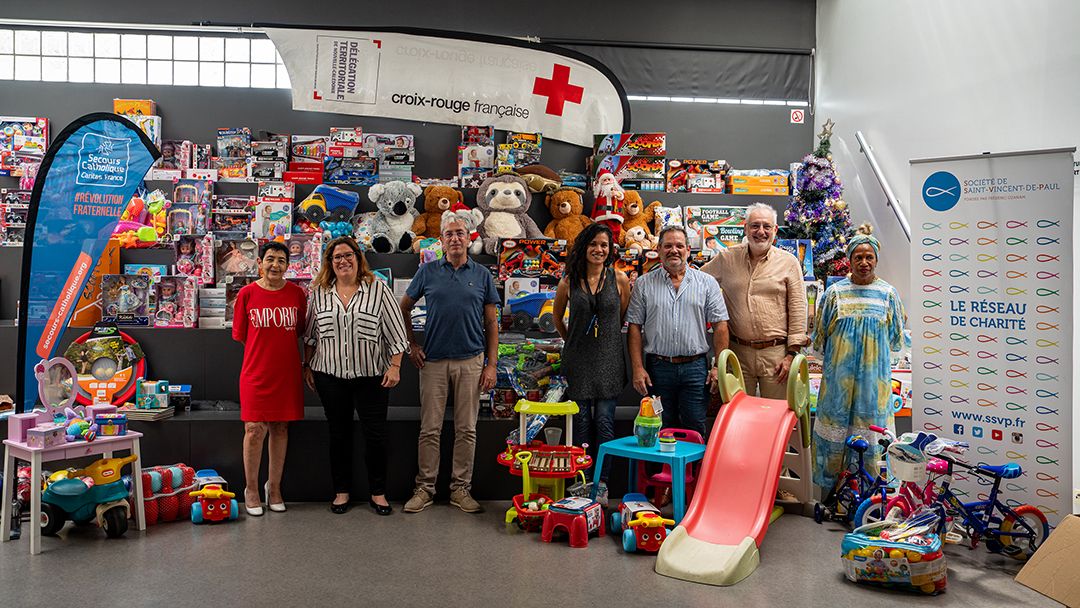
{"x":632,"y":172}
{"x":631,"y":144}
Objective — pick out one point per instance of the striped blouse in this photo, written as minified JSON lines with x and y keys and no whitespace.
{"x":358,"y":339}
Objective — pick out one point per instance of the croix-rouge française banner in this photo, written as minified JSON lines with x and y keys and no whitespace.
{"x":88,"y":175}
{"x":454,"y":78}
{"x":992,"y":280}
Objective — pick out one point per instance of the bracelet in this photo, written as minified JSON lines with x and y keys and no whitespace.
{"x":395,"y":365}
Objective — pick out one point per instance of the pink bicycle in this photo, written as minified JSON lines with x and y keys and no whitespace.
{"x":886,"y":505}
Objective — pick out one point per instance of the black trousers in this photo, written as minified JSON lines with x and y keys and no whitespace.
{"x":340,"y":397}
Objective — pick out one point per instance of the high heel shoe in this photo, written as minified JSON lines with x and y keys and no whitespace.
{"x":380,"y":509}
{"x":256,"y":511}
{"x":276,"y":507}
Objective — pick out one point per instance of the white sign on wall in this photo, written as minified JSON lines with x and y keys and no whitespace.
{"x":475,"y":80}
{"x":992,"y":321}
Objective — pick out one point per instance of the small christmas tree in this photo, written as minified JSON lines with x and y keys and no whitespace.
{"x":818,"y":213}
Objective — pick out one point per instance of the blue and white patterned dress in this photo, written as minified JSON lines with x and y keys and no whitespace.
{"x":856,"y":327}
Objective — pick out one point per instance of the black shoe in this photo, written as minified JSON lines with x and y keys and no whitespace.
{"x":380,"y":509}
{"x":340,"y":509}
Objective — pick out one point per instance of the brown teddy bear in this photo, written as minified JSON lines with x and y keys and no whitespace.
{"x":637,"y":213}
{"x":437,"y":199}
{"x":567,"y":221}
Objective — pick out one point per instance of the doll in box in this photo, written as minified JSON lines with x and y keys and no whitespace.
{"x":191,"y":258}
{"x":237,"y":257}
{"x":125,"y":299}
{"x":304,"y":256}
{"x":177,"y":299}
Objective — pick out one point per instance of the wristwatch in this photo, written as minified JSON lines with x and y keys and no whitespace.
{"x":794,"y":352}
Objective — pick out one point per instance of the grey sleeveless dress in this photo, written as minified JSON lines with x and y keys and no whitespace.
{"x":593,"y":353}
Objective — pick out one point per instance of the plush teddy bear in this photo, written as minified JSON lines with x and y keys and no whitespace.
{"x":437,"y":200}
{"x":637,"y":238}
{"x":391,"y":228}
{"x":636,"y":213}
{"x":567,"y":221}
{"x":504,"y":200}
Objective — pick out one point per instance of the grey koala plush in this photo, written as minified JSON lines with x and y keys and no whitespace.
{"x":504,"y":200}
{"x":391,"y":228}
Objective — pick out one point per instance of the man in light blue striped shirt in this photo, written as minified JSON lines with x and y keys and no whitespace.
{"x":669,"y":310}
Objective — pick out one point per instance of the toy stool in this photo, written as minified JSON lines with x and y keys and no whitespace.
{"x":579,"y":517}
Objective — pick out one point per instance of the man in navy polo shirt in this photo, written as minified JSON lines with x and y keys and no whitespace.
{"x":461,"y":326}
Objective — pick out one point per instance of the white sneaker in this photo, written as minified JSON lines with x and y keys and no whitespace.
{"x":602,"y":494}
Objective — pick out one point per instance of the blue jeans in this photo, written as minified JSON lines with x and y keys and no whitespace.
{"x":682,"y":388}
{"x":604,"y":418}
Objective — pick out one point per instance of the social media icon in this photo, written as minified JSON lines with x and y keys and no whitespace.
{"x":996,"y":434}
{"x":958,"y":429}
{"x":1017,"y":437}
{"x":976,"y":431}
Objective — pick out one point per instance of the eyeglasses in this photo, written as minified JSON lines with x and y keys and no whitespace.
{"x":343,"y":257}
{"x":760,"y":225}
{"x":454,"y":234}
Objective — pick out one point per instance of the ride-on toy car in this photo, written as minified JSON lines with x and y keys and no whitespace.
{"x":215,"y":504}
{"x":94,"y":494}
{"x":642,"y":526}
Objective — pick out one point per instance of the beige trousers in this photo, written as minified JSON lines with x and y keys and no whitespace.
{"x":758,"y":367}
{"x":439,"y":380}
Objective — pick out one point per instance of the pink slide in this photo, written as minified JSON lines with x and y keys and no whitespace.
{"x":717,"y":542}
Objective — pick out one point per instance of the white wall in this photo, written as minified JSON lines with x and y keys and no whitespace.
{"x":926,"y":78}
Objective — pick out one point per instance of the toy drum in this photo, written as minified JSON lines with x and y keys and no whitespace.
{"x":667,"y":444}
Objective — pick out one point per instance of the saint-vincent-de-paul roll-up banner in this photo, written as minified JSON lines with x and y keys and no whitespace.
{"x":453,"y":78}
{"x":992,"y":317}
{"x":87,"y":177}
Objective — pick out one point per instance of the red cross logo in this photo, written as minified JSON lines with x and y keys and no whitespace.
{"x":558,"y":90}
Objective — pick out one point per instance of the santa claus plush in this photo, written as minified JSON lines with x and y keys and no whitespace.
{"x":608,"y":207}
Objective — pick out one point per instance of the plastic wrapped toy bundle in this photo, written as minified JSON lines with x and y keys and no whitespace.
{"x":905,"y":555}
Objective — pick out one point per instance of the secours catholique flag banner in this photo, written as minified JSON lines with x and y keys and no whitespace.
{"x":87,"y":177}
{"x":454,"y":78}
{"x":992,"y":278}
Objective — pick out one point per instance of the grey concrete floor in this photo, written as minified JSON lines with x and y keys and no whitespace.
{"x":442,"y":557}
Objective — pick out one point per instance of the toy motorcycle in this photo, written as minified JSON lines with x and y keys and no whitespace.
{"x":94,"y":494}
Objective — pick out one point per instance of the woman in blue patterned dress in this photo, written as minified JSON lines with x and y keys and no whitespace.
{"x":859,"y":320}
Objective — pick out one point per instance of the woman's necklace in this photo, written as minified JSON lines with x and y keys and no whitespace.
{"x":346,"y":292}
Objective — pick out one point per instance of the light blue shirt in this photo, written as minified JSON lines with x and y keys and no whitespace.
{"x":673,"y":322}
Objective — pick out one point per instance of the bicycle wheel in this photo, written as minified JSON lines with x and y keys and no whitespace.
{"x":871,"y":511}
{"x":1023,"y":547}
{"x":898,"y":509}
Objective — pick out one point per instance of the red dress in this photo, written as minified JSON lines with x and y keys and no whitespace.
{"x":269,"y":323}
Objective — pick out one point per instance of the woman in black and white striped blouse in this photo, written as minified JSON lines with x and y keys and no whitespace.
{"x":354,"y":340}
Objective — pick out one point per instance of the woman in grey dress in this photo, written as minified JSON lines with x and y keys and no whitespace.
{"x":592,"y":357}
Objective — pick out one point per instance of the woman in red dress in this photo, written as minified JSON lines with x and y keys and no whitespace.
{"x":268,"y":318}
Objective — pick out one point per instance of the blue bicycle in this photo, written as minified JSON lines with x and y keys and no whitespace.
{"x":853,"y":486}
{"x":1016,"y":532}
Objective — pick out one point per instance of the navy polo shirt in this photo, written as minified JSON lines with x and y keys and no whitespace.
{"x":455,"y":300}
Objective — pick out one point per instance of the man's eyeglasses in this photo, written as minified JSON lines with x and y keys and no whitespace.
{"x":454,"y":234}
{"x":760,"y":226}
